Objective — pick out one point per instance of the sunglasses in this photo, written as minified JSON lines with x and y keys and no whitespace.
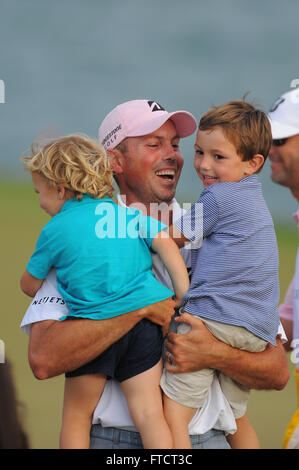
{"x":279,"y":142}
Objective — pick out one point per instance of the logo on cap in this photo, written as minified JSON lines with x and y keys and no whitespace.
{"x":109,"y":136}
{"x":276,"y":104}
{"x":155,"y":106}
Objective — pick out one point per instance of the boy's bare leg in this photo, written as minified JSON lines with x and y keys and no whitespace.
{"x":245,"y":436}
{"x":178,"y":418}
{"x":81,"y":395}
{"x":144,"y":398}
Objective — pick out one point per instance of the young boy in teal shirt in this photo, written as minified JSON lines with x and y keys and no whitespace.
{"x":101,"y":253}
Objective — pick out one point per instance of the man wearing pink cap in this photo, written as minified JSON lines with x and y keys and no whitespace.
{"x":142,"y":140}
{"x":284,"y":158}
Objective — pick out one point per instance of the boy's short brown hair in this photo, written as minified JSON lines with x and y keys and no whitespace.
{"x":246,"y":127}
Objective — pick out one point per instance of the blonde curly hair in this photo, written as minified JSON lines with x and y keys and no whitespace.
{"x":77,"y":162}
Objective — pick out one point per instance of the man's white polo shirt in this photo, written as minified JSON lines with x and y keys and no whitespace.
{"x":112,"y":410}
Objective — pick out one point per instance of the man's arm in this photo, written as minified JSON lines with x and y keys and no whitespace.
{"x":199,"y":349}
{"x":56,"y":347}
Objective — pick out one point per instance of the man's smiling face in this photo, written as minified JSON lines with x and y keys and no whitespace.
{"x":151,"y":166}
{"x":284,"y":163}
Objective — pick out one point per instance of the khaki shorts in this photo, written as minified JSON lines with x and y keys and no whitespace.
{"x":191,"y":388}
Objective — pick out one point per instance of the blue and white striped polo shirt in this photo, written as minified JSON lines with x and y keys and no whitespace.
{"x":235,"y":271}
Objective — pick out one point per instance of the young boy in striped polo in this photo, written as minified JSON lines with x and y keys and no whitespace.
{"x":234,"y":287}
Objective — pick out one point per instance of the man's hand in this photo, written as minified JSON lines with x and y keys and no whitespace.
{"x":192,"y":351}
{"x":199,"y":349}
{"x":160,"y":313}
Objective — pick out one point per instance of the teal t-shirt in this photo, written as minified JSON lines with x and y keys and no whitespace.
{"x":101,"y":253}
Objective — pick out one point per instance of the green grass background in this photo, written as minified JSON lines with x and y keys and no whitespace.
{"x":41,"y":401}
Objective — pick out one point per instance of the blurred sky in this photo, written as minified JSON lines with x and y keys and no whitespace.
{"x":66,"y":63}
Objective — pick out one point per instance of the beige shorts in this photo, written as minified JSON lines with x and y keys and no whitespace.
{"x":191,"y":388}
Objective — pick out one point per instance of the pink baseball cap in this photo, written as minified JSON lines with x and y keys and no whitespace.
{"x":141,"y":117}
